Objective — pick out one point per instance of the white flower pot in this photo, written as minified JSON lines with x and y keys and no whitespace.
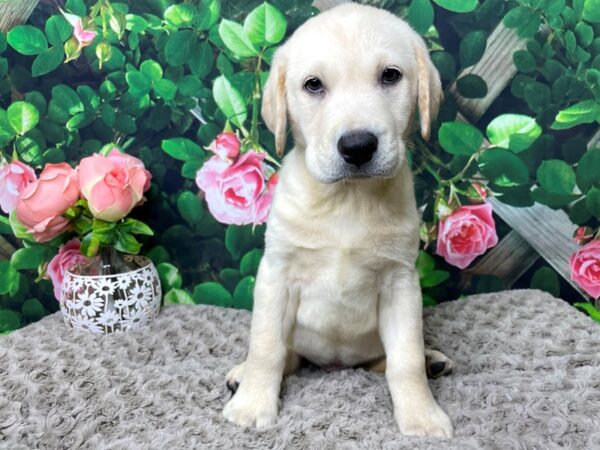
{"x":96,"y":299}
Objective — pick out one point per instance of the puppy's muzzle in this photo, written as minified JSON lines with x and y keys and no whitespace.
{"x":357,"y":147}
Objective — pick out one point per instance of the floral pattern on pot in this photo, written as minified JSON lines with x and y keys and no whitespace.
{"x":111,"y":303}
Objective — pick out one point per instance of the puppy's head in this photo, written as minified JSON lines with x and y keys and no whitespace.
{"x":349,"y":81}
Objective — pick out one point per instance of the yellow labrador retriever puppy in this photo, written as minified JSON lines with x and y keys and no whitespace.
{"x":337,"y":284}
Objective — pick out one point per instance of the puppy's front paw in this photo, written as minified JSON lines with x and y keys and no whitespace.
{"x":249,"y":408}
{"x":431,"y":423}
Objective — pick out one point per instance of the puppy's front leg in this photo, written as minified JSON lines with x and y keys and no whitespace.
{"x":256,"y":400}
{"x":401,"y":332}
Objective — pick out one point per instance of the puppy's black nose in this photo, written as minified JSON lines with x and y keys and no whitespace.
{"x":357,"y":147}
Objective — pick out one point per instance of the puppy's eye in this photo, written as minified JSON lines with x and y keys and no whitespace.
{"x":390,"y":76}
{"x":313,"y":85}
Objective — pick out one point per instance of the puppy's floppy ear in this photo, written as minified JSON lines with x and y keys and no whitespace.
{"x":274,"y":105}
{"x":429,"y":87}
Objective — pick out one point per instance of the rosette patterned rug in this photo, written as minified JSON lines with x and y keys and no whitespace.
{"x":527,"y":377}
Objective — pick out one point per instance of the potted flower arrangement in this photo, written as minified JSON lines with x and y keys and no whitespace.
{"x":100,"y":282}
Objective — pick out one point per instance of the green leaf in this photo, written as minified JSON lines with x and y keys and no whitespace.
{"x":420,"y":15}
{"x":545,"y":279}
{"x":556,"y":177}
{"x":5,"y":225}
{"x":230,"y":278}
{"x":459,"y":6}
{"x":524,"y":61}
{"x":9,"y":279}
{"x":77,"y":7}
{"x":27,"y":40}
{"x":445,"y":64}
{"x":250,"y":262}
{"x":236,"y":39}
{"x":590,"y":309}
{"x":524,"y":19}
{"x":181,"y":15}
{"x":139,"y":84}
{"x":47,"y":61}
{"x":152,"y":70}
{"x":592,"y":201}
{"x":170,"y":277}
{"x":58,"y":30}
{"x":460,"y":138}
{"x":29,"y":149}
{"x":7,"y":132}
{"x":165,"y":88}
{"x":239,"y":240}
{"x":471,"y":86}
{"x":189,"y":85}
{"x":201,"y":63}
{"x":208,"y":14}
{"x":182,"y":149}
{"x":243,"y":296}
{"x":180,"y":47}
{"x":586,"y":111}
{"x":265,"y":25}
{"x":22,"y":117}
{"x":158,"y":255}
{"x":30,"y":257}
{"x":588,"y":169}
{"x":2,"y":42}
{"x":434,"y":278}
{"x":18,"y":229}
{"x":230,"y":101}
{"x":9,"y":320}
{"x":133,"y":226}
{"x":212,"y":293}
{"x":33,"y":310}
{"x":67,"y":100}
{"x":513,"y":131}
{"x":425,"y":264}
{"x":190,"y":208}
{"x":178,"y":297}
{"x":503,"y":167}
{"x":552,"y":200}
{"x":472,"y":47}
{"x":127,"y":243}
{"x":591,"y":11}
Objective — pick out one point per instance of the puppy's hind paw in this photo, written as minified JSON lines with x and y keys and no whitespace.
{"x":437,"y":364}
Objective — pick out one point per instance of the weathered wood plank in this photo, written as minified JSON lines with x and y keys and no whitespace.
{"x":6,"y":249}
{"x":548,"y":231}
{"x":509,"y":260}
{"x":15,"y":12}
{"x":595,"y":140}
{"x":496,"y":67}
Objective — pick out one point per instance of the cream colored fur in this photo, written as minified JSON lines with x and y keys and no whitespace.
{"x":337,"y":284}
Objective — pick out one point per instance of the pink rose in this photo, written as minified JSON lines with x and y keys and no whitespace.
{"x":13,"y":179}
{"x":466,"y":234}
{"x":84,"y":37}
{"x":68,"y":255}
{"x":480,"y":190}
{"x":113,"y":184}
{"x":237,"y":193}
{"x":585,"y":268}
{"x":583,"y":235}
{"x":43,"y":202}
{"x":226,"y":146}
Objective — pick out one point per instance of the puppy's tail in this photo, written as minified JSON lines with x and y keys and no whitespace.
{"x":324,"y":5}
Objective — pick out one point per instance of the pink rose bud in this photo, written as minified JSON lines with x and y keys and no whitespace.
{"x":226,"y":146}
{"x":13,"y":179}
{"x":113,"y":184}
{"x":68,"y":255}
{"x":585,"y":268}
{"x":480,"y":190}
{"x":42,"y":203}
{"x":237,"y":193}
{"x":466,"y":234}
{"x":83,"y":36}
{"x":583,"y":235}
